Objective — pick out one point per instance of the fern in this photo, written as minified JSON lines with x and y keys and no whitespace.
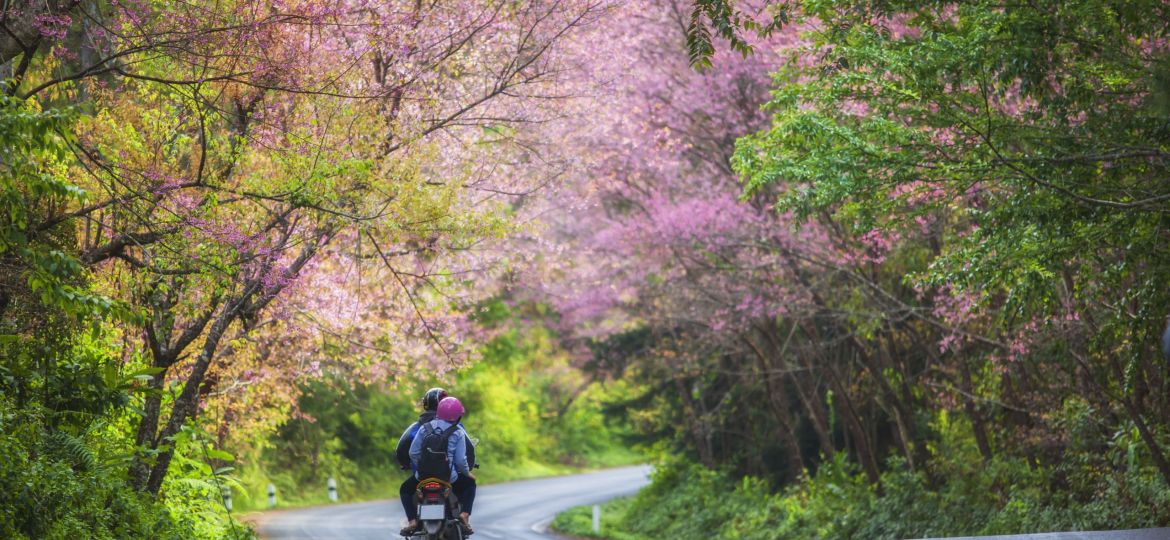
{"x":70,"y":449}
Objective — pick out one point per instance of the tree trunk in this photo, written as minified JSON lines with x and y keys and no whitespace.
{"x":697,"y":429}
{"x":817,"y":411}
{"x":1149,"y":438}
{"x":1133,"y":410}
{"x":813,"y":405}
{"x":969,"y":405}
{"x":853,"y":422}
{"x":147,"y":430}
{"x":778,"y":402}
{"x":187,"y":404}
{"x":837,"y":330}
{"x":251,"y":300}
{"x":889,"y":398}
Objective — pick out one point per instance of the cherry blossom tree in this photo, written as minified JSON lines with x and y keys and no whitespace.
{"x":231,"y":149}
{"x":738,"y":302}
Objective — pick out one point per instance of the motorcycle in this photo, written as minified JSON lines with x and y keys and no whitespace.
{"x":438,"y":511}
{"x":438,"y":507}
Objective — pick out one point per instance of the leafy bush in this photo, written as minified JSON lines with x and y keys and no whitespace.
{"x":1006,"y":497}
{"x":57,"y":488}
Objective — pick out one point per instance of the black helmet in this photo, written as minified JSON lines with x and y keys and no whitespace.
{"x":431,"y":400}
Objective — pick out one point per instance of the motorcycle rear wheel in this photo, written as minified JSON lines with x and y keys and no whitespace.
{"x":454,"y":533}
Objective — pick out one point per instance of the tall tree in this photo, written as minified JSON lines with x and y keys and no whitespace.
{"x":1038,"y":132}
{"x":228,"y":146}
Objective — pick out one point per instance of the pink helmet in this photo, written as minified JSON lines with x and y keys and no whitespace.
{"x":450,"y":409}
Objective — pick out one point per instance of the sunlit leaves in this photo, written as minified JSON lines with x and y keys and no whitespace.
{"x":722,"y":19}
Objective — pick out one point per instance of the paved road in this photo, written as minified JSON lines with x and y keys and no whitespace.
{"x":512,"y":511}
{"x":1143,"y":534}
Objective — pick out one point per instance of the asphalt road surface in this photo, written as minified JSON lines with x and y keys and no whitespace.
{"x":513,"y":511}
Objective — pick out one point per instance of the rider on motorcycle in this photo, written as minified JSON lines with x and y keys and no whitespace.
{"x":430,"y":403}
{"x":462,"y":480}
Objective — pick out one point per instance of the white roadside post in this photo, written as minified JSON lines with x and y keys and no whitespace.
{"x":596,"y":519}
{"x":332,"y":489}
{"x":271,"y":496}
{"x":226,"y":491}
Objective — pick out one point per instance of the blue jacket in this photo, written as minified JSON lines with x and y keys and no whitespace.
{"x":403,"y":450}
{"x":408,"y":436}
{"x":456,"y":449}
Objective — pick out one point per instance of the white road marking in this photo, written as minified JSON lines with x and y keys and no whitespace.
{"x":541,"y":527}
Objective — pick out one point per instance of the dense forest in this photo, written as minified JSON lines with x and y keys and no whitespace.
{"x":216,"y":213}
{"x":936,"y":306}
{"x":839,"y":268}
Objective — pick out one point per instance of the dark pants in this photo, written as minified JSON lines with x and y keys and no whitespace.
{"x":463,"y":487}
{"x":406,"y":493}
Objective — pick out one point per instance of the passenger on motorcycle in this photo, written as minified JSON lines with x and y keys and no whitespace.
{"x":430,"y":403}
{"x":462,"y":481}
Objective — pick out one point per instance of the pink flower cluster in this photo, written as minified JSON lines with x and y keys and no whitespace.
{"x":53,"y":26}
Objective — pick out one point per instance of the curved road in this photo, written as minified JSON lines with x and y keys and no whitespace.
{"x":513,"y":511}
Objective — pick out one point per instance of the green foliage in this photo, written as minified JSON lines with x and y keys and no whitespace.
{"x":70,"y":450}
{"x":65,"y":485}
{"x":657,"y":393}
{"x":56,"y":488}
{"x":578,"y":521}
{"x":530,"y":412}
{"x":65,"y":445}
{"x":722,"y":17}
{"x":348,"y":432}
{"x":959,"y":495}
{"x":1026,"y":144}
{"x":687,"y":501}
{"x":535,"y":407}
{"x":34,"y":190}
{"x":65,"y":395}
{"x":1034,"y":155}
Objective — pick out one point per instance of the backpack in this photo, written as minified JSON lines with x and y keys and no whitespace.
{"x":433,"y":462}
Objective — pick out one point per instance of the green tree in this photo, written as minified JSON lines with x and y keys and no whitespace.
{"x":60,"y":386}
{"x":1039,"y":136}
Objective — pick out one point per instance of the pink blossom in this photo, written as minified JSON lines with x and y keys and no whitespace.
{"x":53,"y":26}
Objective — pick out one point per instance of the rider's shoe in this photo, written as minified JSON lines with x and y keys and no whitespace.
{"x":467,"y":530}
{"x":409,"y":530}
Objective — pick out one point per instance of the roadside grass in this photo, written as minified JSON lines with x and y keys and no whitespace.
{"x":577,"y":522}
{"x":1005,"y":496}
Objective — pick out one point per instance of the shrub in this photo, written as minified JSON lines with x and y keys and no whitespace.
{"x":56,"y":489}
{"x":1005,"y":496}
